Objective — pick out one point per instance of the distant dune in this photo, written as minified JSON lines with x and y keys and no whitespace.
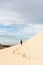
{"x":29,"y":53}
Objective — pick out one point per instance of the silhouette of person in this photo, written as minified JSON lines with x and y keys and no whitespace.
{"x":21,"y":42}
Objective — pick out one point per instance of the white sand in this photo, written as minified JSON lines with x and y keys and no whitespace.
{"x":30,"y":53}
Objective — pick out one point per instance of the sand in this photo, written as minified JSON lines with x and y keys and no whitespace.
{"x":30,"y":53}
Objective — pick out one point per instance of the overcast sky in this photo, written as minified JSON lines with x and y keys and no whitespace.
{"x":20,"y":19}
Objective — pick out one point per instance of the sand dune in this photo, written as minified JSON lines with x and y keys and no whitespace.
{"x":30,"y":53}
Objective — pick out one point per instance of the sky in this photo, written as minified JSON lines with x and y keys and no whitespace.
{"x":20,"y":19}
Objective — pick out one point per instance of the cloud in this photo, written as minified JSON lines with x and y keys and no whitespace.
{"x":21,"y":18}
{"x":31,"y":29}
{"x":10,"y":18}
{"x":21,"y":12}
{"x":15,"y":32}
{"x":21,"y":29}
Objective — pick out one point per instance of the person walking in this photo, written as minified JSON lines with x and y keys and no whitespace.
{"x":21,"y":42}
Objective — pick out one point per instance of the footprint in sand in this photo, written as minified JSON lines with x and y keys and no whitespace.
{"x":27,"y":57}
{"x":24,"y":55}
{"x":15,"y":50}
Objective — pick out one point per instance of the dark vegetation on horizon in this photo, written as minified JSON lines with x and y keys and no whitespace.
{"x":2,"y":46}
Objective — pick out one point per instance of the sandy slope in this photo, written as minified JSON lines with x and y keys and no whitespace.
{"x":30,"y":53}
